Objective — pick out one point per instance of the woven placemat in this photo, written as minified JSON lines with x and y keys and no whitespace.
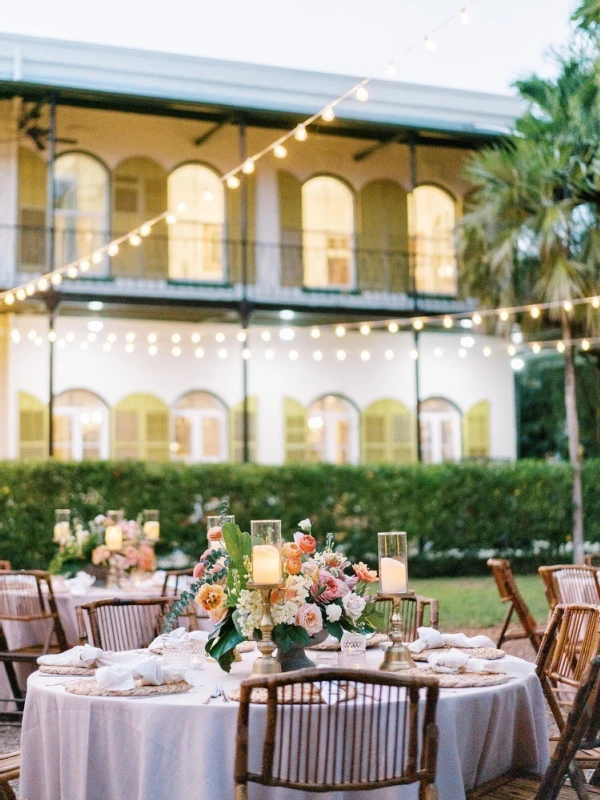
{"x":488,"y":653}
{"x":190,"y":646}
{"x":45,"y":669}
{"x":246,"y":647}
{"x":294,"y":694}
{"x":374,"y":641}
{"x":462,"y":680}
{"x":93,"y":689}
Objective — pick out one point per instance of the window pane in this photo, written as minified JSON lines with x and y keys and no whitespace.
{"x":432,"y":220}
{"x":328,"y":233}
{"x":211,"y":439}
{"x":183,"y":437}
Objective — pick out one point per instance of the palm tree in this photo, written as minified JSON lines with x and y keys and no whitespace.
{"x":532,"y":232}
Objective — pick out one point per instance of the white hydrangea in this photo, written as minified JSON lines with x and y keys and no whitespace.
{"x":333,"y":611}
{"x":295,"y":592}
{"x":250,"y":611}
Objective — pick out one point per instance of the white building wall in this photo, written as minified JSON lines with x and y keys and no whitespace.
{"x":115,"y":374}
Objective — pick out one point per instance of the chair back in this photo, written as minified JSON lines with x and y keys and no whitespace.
{"x":592,"y":560}
{"x":570,"y":583}
{"x":27,"y":596}
{"x":509,"y":592}
{"x":176,"y":580}
{"x":581,"y":732}
{"x":413,"y":614}
{"x":4,"y":564}
{"x":117,"y":624}
{"x":571,"y":642}
{"x":338,"y":730}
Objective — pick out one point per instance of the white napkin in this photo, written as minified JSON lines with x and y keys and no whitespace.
{"x":332,"y":693}
{"x":179,"y":635}
{"x":119,"y":677}
{"x":115,"y":678}
{"x":453,"y":660}
{"x":80,"y":583}
{"x":80,"y":656}
{"x":430,"y":639}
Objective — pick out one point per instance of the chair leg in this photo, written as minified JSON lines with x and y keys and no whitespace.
{"x":507,"y":619}
{"x":6,"y":792}
{"x":241,"y":791}
{"x":14,"y":684}
{"x":428,"y":792}
{"x":578,"y":782}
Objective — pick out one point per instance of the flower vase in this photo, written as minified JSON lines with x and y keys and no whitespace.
{"x":295,"y":657}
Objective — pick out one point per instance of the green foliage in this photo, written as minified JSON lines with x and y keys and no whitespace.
{"x":288,"y":635}
{"x":499,"y":508}
{"x":223,"y":641}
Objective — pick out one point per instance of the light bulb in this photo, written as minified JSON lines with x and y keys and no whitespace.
{"x":437,"y":352}
{"x":300,"y":134}
{"x":341,"y":355}
{"x":511,"y":349}
{"x":390,"y":69}
{"x":467,"y":341}
{"x":176,"y":338}
{"x":241,"y":336}
{"x":328,"y":114}
{"x":20,"y":294}
{"x":129,"y":348}
{"x":30,"y":289}
{"x":152,"y":338}
{"x":318,"y":355}
{"x":56,"y":279}
{"x":146,"y":228}
{"x":95,"y":325}
{"x":152,"y":350}
{"x":315,"y":333}
{"x":287,"y":334}
{"x":279,"y":151}
{"x":429,"y":44}
{"x":414,"y":354}
{"x":84,"y":265}
{"x":135,"y":240}
{"x":340,"y":331}
{"x":181,"y":206}
{"x":233,"y":182}
{"x":199,"y":352}
{"x":222,"y":353}
{"x":72,"y":273}
{"x":560,"y":347}
{"x":568,"y":306}
{"x":585,"y":345}
{"x":51,"y":336}
{"x":536,"y":347}
{"x":130,"y":337}
{"x":171,"y":219}
{"x":504,"y":315}
{"x":534,"y":311}
{"x":15,"y":336}
{"x":245,"y":354}
{"x":196,"y":337}
{"x":248,"y":166}
{"x":42,"y":285}
{"x":365,"y":355}
{"x":393,"y":327}
{"x":270,"y":354}
{"x":418,"y":324}
{"x":113,"y":249}
{"x":220,"y":337}
{"x":112,"y":337}
{"x":487,"y":352}
{"x":464,"y":16}
{"x":70,"y":337}
{"x":266,"y":336}
{"x":293,"y":354}
{"x":176,"y":351}
{"x":517,"y":364}
{"x":462,"y":352}
{"x":97,"y":257}
{"x":106,"y":347}
{"x":477,"y":318}
{"x":365,"y":329}
{"x":448,"y":322}
{"x":362,"y":95}
{"x":9,"y":299}
{"x":389,"y":354}
{"x":31,"y":335}
{"x":596,"y":302}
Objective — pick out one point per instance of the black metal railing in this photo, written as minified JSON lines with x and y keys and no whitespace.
{"x":425,"y":265}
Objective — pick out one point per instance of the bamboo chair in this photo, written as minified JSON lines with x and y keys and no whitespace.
{"x":5,"y":564}
{"x":358,"y":743}
{"x":509,"y":593}
{"x":581,"y":731}
{"x":570,"y":583}
{"x":27,"y":597}
{"x":592,"y":560}
{"x":413,"y":614}
{"x":117,"y":624}
{"x":10,"y":769}
{"x":176,"y":581}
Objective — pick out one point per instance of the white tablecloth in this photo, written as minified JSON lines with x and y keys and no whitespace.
{"x":173,"y":747}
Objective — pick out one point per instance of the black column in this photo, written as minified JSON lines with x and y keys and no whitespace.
{"x":244,"y":310}
{"x":51,"y":298}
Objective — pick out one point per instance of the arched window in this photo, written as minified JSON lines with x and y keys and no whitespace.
{"x":80,"y":207}
{"x":81,"y":426}
{"x":328,"y":233}
{"x":199,"y":423}
{"x":196,"y":239}
{"x":333,"y":430}
{"x":440,"y":431}
{"x":432,"y":215}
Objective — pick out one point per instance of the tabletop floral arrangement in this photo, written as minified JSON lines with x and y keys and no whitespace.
{"x":322,"y":593}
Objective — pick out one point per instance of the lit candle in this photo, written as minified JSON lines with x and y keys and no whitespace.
{"x":266,"y":565}
{"x":152,"y":530}
{"x":392,"y":576}
{"x":61,"y":532}
{"x":113,"y":538}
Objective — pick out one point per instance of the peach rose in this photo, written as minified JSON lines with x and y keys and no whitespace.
{"x":146,"y":558}
{"x":363,"y":573}
{"x":100,"y":554}
{"x":291,"y":550}
{"x":199,"y":570}
{"x":310,"y":618}
{"x":131,"y":554}
{"x":211,"y":597}
{"x":215,"y":534}
{"x":306,"y":543}
{"x":293,"y":565}
{"x":277,"y":595}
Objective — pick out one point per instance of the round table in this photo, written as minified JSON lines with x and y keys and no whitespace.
{"x":174,"y":747}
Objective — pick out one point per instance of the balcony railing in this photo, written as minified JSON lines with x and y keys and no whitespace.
{"x":427,"y":266}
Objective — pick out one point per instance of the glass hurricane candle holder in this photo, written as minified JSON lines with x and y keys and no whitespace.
{"x":393,"y":586}
{"x":62,"y":525}
{"x":265,"y":537}
{"x":113,"y":535}
{"x":214,"y":532}
{"x":151,"y":528}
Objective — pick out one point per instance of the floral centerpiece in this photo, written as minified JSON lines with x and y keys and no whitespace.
{"x":322,"y":593}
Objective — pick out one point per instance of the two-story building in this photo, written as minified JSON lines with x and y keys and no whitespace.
{"x":221,"y":334}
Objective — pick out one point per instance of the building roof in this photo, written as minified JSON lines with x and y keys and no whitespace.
{"x":103,"y":76}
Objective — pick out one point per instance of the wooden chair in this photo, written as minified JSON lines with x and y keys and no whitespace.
{"x":10,"y":769}
{"x":117,"y":624}
{"x":26,"y":597}
{"x":509,"y":593}
{"x":5,"y":564}
{"x":175,"y":581}
{"x":581,"y":731}
{"x":413,"y":614}
{"x":571,"y":642}
{"x":570,"y":583}
{"x":592,"y":560}
{"x":370,"y":739}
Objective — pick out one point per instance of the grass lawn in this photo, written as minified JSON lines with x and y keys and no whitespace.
{"x":475,"y":602}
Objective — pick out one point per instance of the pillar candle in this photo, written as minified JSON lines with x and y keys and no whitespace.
{"x":61,"y":531}
{"x":393,"y":576}
{"x":152,"y":530}
{"x":266,"y":565}
{"x":113,"y":538}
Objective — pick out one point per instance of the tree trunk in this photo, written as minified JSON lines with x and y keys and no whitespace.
{"x":573,"y":436}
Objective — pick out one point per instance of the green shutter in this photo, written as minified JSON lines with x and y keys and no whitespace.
{"x":289,"y":189}
{"x":296,"y":429}
{"x":383,"y":240}
{"x":32,"y":211}
{"x":388,"y":433}
{"x":236,"y":431}
{"x":139,"y":192}
{"x":476,"y":431}
{"x":140,"y":428}
{"x":33,"y":428}
{"x":233,"y":247}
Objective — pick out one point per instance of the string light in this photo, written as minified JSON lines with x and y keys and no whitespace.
{"x":113,"y":249}
{"x":72,"y":272}
{"x":511,"y":350}
{"x":15,"y":336}
{"x":172,"y":219}
{"x":9,"y":299}
{"x":448,"y":322}
{"x":43,"y":284}
{"x":535,"y":312}
{"x":536,"y":347}
{"x":340,"y":331}
{"x":222,"y":353}
{"x":389,"y":354}
{"x":199,"y":352}
{"x":568,"y":306}
{"x":279,"y":151}
{"x":146,"y":229}
{"x":20,"y":294}
{"x":241,"y":336}
{"x":462,"y":352}
{"x":487,"y":352}
{"x":152,"y":338}
{"x":112,"y":338}
{"x":220,"y":338}
{"x":245,"y":354}
{"x":437,"y":352}
{"x":596,"y":302}
{"x":315,"y":333}
{"x":361,"y":94}
{"x":233,"y":182}
{"x":477,"y":318}
{"x":176,"y":351}
{"x":341,"y":355}
{"x":328,"y":114}
{"x":51,"y":336}
{"x":266,"y":336}
{"x":130,"y":337}
{"x":365,"y":329}
{"x":30,"y":289}
{"x":248,"y":166}
{"x":418,"y":324}
{"x":129,"y":348}
{"x":31,"y":335}
{"x":585,"y":345}
{"x":504,"y":315}
{"x":393,"y":327}
{"x":153,"y":350}
{"x":196,"y":337}
{"x":135,"y":240}
{"x":414,"y":354}
{"x":293,"y":355}
{"x":84,"y":265}
{"x":318,"y":355}
{"x":560,"y":347}
{"x":300,"y":134}
{"x":176,"y":338}
{"x":365,"y":355}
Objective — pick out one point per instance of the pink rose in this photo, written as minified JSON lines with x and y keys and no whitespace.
{"x":100,"y":554}
{"x":326,"y":588}
{"x":131,"y":554}
{"x":146,"y":558}
{"x":198,"y":570}
{"x":310,"y":618}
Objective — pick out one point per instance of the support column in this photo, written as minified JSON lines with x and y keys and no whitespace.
{"x":413,"y":286}
{"x":52,"y":301}
{"x":51,"y":297}
{"x":244,"y":309}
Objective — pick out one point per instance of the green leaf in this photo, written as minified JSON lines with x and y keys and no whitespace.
{"x":222,"y":642}
{"x":335,"y":629}
{"x":237,"y":543}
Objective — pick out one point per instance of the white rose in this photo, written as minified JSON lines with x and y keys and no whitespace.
{"x":354,"y":605}
{"x":305,"y":525}
{"x":334,"y":612}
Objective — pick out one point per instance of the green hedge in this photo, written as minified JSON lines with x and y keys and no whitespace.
{"x":471,"y":508}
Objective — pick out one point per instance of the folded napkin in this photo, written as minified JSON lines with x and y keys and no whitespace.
{"x":430,"y":639}
{"x":148,"y":669}
{"x":80,"y":583}
{"x":179,"y":635}
{"x":451,"y":661}
{"x":80,"y":656}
